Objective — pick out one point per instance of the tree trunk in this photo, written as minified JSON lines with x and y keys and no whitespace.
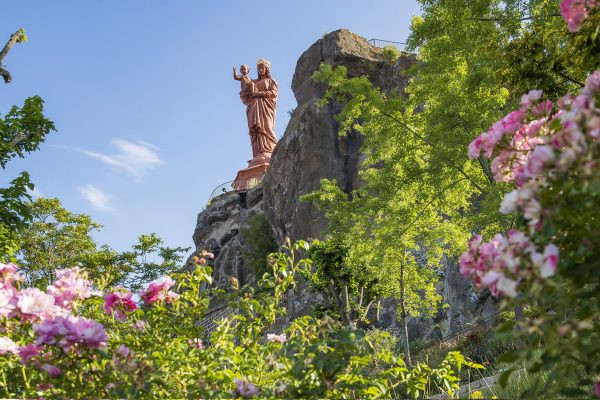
{"x":346,"y":306}
{"x":291,"y":306}
{"x":403,"y":310}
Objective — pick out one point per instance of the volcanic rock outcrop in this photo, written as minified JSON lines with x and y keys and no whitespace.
{"x":309,"y":151}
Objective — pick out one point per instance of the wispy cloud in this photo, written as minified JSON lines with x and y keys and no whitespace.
{"x":134,"y":158}
{"x":96,"y":197}
{"x":35,"y":193}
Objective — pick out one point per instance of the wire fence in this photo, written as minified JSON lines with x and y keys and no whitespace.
{"x":380,"y":43}
{"x":479,"y":324}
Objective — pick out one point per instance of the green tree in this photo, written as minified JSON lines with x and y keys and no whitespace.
{"x":57,"y":238}
{"x":22,"y":130}
{"x":258,"y":244}
{"x":149,"y":260}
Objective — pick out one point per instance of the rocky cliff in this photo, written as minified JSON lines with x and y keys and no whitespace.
{"x":310,"y":150}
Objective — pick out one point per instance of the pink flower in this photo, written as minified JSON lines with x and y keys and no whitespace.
{"x":507,"y":286}
{"x":69,"y":287}
{"x":8,"y":301}
{"x":597,"y":389}
{"x":119,"y":304}
{"x":32,"y":302}
{"x":28,"y":352}
{"x":123,"y":351}
{"x":139,"y":325}
{"x":533,"y":128}
{"x":539,"y":158}
{"x":592,"y":85}
{"x":543,"y":109}
{"x":475,"y":147}
{"x":517,"y":237}
{"x":7,"y":346}
{"x":277,"y":338}
{"x":527,"y":100}
{"x":509,"y":203}
{"x":159,"y":290}
{"x":532,"y":212}
{"x":245,"y":389}
{"x":550,"y":261}
{"x":575,"y":12}
{"x":51,"y":370}
{"x":8,"y":275}
{"x":512,"y":122}
{"x":196,"y":343}
{"x":70,"y":331}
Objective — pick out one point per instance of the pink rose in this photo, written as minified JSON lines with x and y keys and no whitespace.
{"x":8,"y":346}
{"x":245,"y":389}
{"x":550,"y":261}
{"x":51,"y":370}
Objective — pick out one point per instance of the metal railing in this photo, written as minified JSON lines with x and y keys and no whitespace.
{"x":219,"y":190}
{"x":380,"y":43}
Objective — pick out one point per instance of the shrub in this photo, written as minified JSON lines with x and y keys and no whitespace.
{"x":70,"y":342}
{"x":390,"y":54}
{"x":258,"y":244}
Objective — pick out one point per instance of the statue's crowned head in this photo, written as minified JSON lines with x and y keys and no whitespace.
{"x":266,"y":64}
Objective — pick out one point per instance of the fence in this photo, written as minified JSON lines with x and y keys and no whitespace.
{"x":380,"y":43}
{"x":479,"y":324}
{"x":212,"y":318}
{"x":219,"y":190}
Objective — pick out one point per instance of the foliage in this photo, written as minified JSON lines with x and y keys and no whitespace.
{"x":258,"y":243}
{"x":350,"y":291}
{"x":22,"y":130}
{"x":550,"y":152}
{"x":139,"y":266}
{"x":66,"y":342}
{"x":57,"y":239}
{"x":390,"y":54}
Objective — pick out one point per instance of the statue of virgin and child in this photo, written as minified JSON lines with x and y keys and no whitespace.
{"x":260,"y":98}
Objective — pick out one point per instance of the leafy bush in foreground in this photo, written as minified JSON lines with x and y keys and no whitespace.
{"x":71,"y":341}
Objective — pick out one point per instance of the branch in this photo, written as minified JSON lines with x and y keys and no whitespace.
{"x":425,"y":207}
{"x":5,"y":75}
{"x":17,"y":139}
{"x":458,"y":168}
{"x":568,"y":78}
{"x":18,"y":36}
{"x":528,"y":18}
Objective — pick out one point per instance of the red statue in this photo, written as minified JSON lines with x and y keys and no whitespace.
{"x":260,"y":97}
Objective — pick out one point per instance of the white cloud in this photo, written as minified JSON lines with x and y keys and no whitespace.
{"x":35,"y":193}
{"x":96,"y":197}
{"x":134,"y":158}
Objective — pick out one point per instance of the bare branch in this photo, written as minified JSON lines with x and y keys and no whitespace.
{"x":14,"y":38}
{"x":5,"y":75}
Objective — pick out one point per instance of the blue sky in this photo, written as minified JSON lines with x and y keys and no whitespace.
{"x":148,"y":116}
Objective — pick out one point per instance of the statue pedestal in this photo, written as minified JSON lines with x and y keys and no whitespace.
{"x":249,"y":177}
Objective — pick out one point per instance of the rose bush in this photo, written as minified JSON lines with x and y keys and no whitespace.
{"x":70,"y":341}
{"x":551,"y":262}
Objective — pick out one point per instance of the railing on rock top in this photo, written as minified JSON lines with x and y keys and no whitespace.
{"x":219,"y":190}
{"x":380,"y":43}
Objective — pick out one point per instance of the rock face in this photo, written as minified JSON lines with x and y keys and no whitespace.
{"x":218,"y":231}
{"x":311,"y":148}
{"x":309,"y":151}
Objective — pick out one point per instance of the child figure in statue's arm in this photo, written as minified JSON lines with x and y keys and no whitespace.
{"x":246,"y":85}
